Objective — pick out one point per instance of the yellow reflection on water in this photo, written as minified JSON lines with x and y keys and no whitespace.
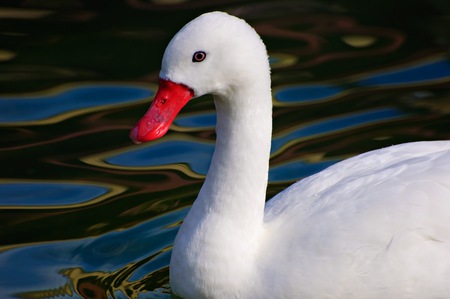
{"x":359,"y":40}
{"x":65,"y":290}
{"x":280,"y":60}
{"x":102,"y":285}
{"x":6,"y":55}
{"x":23,"y":13}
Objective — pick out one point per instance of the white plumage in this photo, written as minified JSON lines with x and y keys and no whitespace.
{"x":373,"y":226}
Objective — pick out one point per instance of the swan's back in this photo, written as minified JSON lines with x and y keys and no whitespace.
{"x":378,"y":221}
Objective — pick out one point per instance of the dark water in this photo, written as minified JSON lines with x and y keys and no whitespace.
{"x":87,"y":214}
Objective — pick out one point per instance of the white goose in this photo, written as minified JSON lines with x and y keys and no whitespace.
{"x":373,"y":226}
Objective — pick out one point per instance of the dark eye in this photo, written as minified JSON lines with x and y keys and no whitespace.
{"x":198,"y":56}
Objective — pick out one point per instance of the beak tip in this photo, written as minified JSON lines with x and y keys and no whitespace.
{"x":134,"y":135}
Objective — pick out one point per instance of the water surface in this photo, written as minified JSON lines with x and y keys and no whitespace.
{"x":87,"y":214}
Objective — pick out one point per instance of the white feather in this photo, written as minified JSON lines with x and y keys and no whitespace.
{"x":373,"y":226}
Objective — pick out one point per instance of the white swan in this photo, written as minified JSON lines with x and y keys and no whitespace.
{"x":373,"y":226}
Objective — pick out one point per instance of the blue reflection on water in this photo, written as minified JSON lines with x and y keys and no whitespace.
{"x":331,"y":125}
{"x":288,"y":172}
{"x":34,"y":108}
{"x":47,"y":194}
{"x":307,"y":93}
{"x":108,"y":253}
{"x":422,"y":73}
{"x":204,"y":120}
{"x":196,"y":154}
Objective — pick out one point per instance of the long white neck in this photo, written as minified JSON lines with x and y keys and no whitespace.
{"x":225,"y":222}
{"x":235,"y":186}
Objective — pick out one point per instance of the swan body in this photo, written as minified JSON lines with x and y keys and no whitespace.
{"x":374,"y":226}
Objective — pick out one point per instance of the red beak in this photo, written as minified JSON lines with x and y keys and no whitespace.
{"x":168,"y":101}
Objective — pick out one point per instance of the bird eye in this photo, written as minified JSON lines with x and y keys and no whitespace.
{"x":199,"y":56}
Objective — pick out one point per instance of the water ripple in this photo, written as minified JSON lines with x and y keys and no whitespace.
{"x":193,"y":156}
{"x":105,"y":259}
{"x":53,"y":194}
{"x":307,"y":93}
{"x":420,"y":72}
{"x":67,"y":101}
{"x":336,"y":124}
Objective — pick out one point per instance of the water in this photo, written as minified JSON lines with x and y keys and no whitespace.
{"x":87,"y":214}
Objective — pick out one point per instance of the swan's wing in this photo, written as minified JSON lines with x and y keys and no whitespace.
{"x":378,"y":221}
{"x":366,"y":174}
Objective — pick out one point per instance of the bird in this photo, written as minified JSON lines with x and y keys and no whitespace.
{"x":376,"y":225}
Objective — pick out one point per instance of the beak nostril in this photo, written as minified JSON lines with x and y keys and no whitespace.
{"x":161,"y":102}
